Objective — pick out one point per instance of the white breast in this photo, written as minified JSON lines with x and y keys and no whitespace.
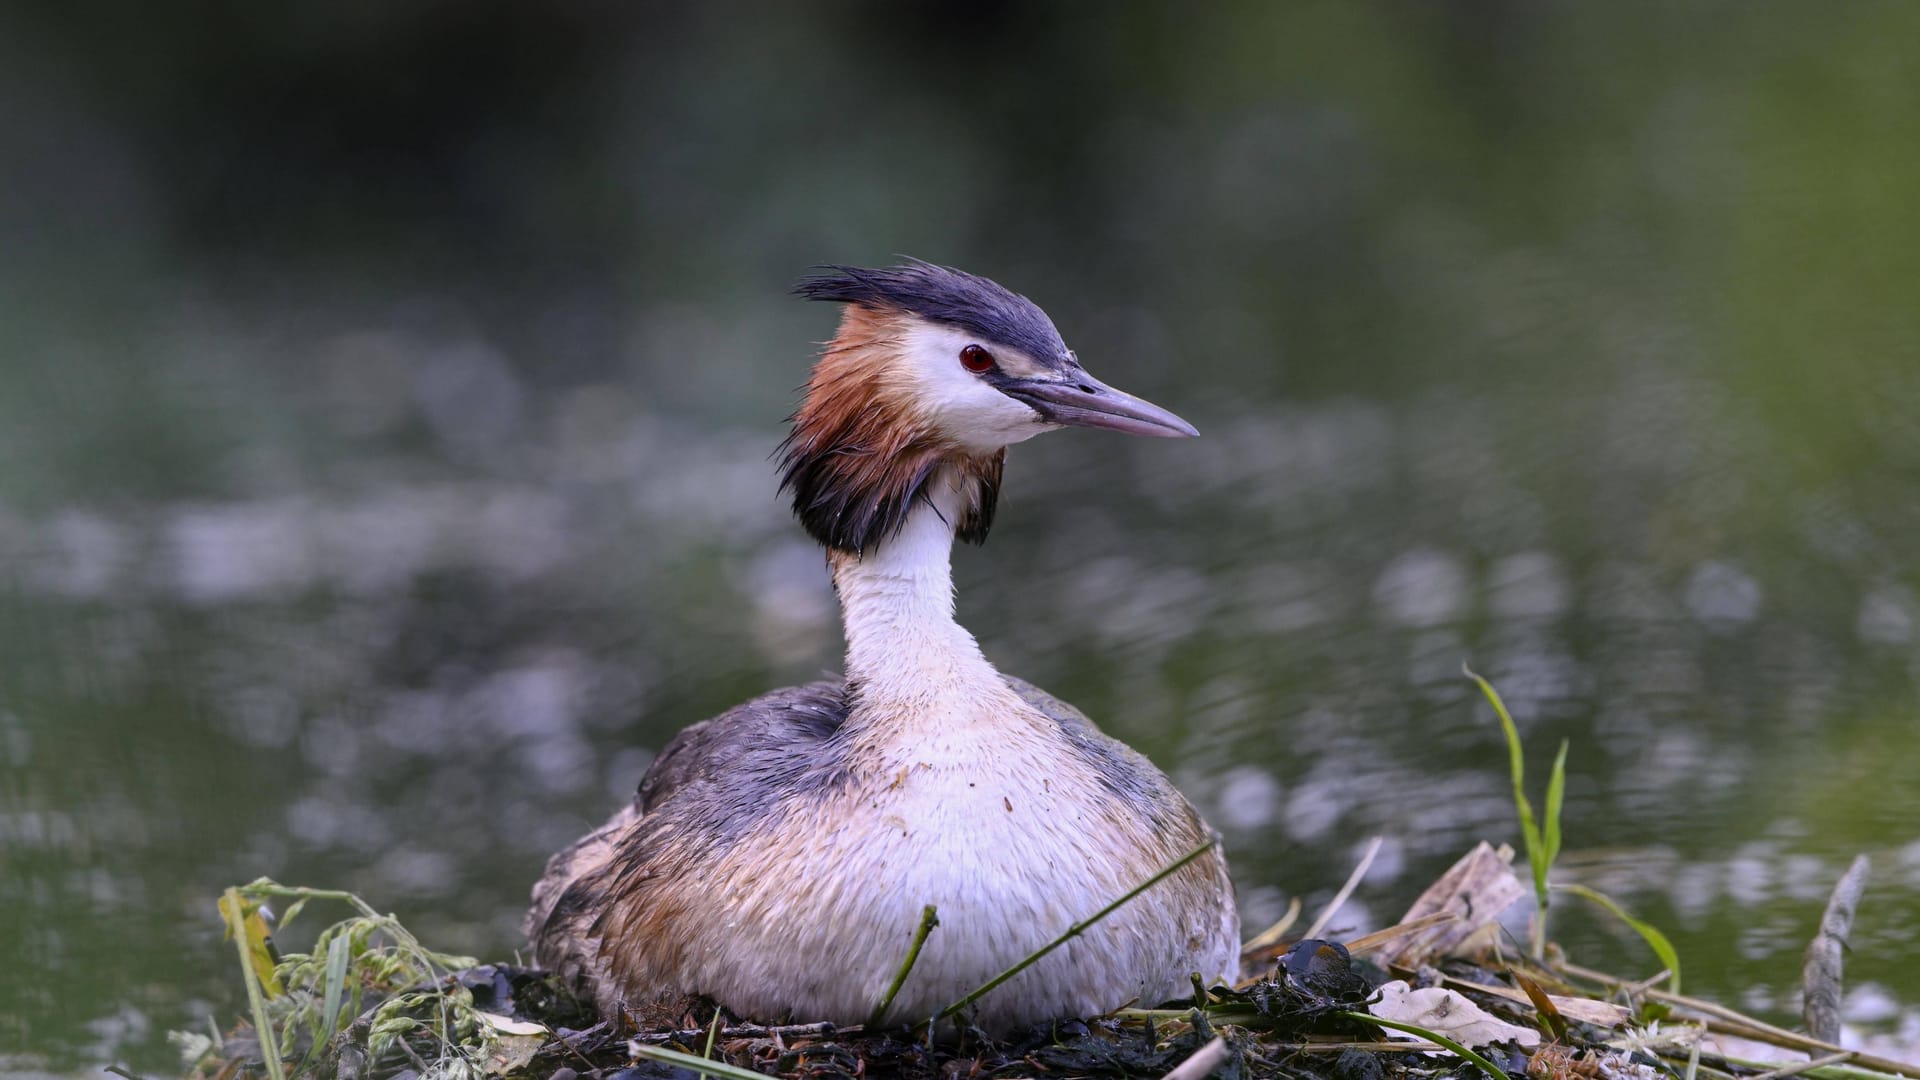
{"x":962,"y":796}
{"x":1012,"y":843}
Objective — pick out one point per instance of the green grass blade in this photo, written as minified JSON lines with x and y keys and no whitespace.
{"x":1434,"y":1037}
{"x":319,"y":1018}
{"x":929,"y":918}
{"x":1542,"y":847}
{"x":1649,"y":933}
{"x":339,"y":951}
{"x":1517,"y":766}
{"x":698,"y":1064}
{"x":1556,"y":795}
{"x":256,"y":995}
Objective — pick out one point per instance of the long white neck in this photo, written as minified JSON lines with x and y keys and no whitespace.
{"x":906,"y":656}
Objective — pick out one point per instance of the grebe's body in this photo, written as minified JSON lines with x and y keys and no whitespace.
{"x":777,"y":857}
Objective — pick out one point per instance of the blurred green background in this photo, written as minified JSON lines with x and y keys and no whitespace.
{"x":386,"y":393}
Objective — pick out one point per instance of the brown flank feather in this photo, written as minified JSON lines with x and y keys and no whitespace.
{"x":861,"y":452}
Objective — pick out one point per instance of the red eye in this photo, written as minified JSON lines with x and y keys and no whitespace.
{"x":976,"y":359}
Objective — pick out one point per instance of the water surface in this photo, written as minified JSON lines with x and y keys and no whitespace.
{"x":383,"y":474}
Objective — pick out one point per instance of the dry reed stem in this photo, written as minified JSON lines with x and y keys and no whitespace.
{"x":1346,"y":890}
{"x":1201,"y":1063}
{"x":1821,"y":978}
{"x":1806,"y":1066}
{"x":1272,"y":935}
{"x":1731,"y":1022}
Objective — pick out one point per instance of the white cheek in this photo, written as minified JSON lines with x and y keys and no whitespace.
{"x":978,"y":416}
{"x":985,"y":419}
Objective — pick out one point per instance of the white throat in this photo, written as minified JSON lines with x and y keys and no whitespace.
{"x":906,"y":655}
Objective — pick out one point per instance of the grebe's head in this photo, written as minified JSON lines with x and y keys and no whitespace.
{"x":933,"y":367}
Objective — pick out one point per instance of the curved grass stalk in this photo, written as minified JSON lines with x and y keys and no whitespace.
{"x":1079,"y":928}
{"x":1434,"y":1037}
{"x":256,"y":997}
{"x":703,"y":1066}
{"x":1541,"y":836}
{"x":1649,"y":933}
{"x":929,"y":918}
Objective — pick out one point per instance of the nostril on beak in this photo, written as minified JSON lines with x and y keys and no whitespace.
{"x":1085,"y":389}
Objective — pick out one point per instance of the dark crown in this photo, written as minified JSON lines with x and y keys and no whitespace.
{"x":944,"y":295}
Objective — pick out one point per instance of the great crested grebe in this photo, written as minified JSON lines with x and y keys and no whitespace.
{"x":778,"y":856}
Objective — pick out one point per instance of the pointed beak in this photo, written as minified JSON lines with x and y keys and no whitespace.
{"x":1084,"y":401}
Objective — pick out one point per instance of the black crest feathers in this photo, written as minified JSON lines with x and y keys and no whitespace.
{"x":944,"y":295}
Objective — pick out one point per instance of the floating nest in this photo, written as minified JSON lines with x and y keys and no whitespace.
{"x":1433,"y":995}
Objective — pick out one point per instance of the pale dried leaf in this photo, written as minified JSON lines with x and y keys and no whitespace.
{"x":507,"y":1025}
{"x":1584,"y":1010}
{"x":1476,"y":890}
{"x":511,"y":1053}
{"x":1449,"y":1013}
